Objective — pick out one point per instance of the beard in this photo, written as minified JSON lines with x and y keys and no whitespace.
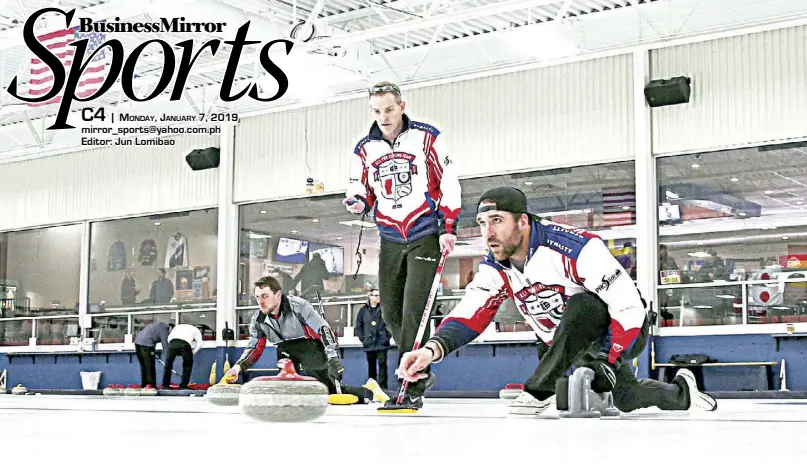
{"x":508,"y":247}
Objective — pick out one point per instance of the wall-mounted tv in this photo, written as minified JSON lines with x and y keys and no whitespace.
{"x":291,"y":250}
{"x":334,"y":256}
{"x":669,"y":214}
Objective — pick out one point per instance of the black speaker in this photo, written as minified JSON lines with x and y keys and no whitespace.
{"x":206,"y":158}
{"x":664,"y":92}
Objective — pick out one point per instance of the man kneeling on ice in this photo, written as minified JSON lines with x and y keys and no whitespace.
{"x":298,"y":331}
{"x":576,"y":297}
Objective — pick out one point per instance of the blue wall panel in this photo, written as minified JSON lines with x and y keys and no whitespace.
{"x":473,"y":368}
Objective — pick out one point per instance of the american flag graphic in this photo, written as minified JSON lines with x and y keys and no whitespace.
{"x":58,"y":42}
{"x":619,"y":206}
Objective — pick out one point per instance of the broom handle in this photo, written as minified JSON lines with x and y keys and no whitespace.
{"x":424,"y":320}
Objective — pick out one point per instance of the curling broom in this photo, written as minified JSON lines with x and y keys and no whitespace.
{"x":338,"y":397}
{"x":398,"y":408}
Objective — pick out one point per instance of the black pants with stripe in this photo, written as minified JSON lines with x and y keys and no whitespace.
{"x":405,"y":276}
{"x":579,"y":338}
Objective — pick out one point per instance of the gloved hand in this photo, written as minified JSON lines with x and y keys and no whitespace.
{"x":604,"y":375}
{"x":232,"y":375}
{"x":335,"y":369}
{"x":353,"y":205}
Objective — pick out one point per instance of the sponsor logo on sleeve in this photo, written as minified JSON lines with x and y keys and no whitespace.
{"x":607,"y":281}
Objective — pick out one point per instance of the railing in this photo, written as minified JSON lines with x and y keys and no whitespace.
{"x":110,"y":327}
{"x":341,"y":315}
{"x":745,"y":304}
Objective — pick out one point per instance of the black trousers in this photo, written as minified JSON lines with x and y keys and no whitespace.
{"x":583,"y":333}
{"x":148,"y":373}
{"x":377,"y":366}
{"x":179,"y":348}
{"x":405,"y":276}
{"x":308,"y":357}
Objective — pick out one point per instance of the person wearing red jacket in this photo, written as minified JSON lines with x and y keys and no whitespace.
{"x":403,"y":173}
{"x":577,"y":298}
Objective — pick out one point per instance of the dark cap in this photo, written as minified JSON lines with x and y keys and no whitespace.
{"x":508,"y":199}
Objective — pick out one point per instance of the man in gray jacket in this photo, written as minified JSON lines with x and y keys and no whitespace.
{"x":146,"y":349}
{"x":298,"y":331}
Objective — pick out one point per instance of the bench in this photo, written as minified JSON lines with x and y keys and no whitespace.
{"x":765,"y":370}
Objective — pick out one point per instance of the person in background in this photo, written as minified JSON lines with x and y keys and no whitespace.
{"x":313,"y":275}
{"x":146,"y":350}
{"x":375,"y":338}
{"x":128,"y":288}
{"x":162,"y":289}
{"x":665,"y":261}
{"x":184,"y":340}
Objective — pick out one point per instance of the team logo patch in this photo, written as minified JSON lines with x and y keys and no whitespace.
{"x":394,"y":172}
{"x":544,"y":303}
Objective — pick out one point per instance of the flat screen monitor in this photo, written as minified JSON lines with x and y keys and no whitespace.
{"x":291,"y":250}
{"x":669,"y":213}
{"x":333,"y":255}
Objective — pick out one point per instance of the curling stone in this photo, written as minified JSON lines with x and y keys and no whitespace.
{"x":113,"y":390}
{"x":19,"y":390}
{"x":148,"y":391}
{"x":131,"y":390}
{"x":223,"y":394}
{"x":511,"y":391}
{"x":286,"y":397}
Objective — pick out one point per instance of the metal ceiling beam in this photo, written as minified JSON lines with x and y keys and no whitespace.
{"x":434,"y":21}
{"x":365,"y":12}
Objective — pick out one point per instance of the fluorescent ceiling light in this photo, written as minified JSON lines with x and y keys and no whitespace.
{"x":699,"y":254}
{"x":565,"y":213}
{"x":542,"y":41}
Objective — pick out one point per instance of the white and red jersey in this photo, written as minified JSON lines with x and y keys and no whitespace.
{"x":562,"y":261}
{"x":409,"y":183}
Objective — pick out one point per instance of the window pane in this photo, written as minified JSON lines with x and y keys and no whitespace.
{"x":737,"y":215}
{"x":109,"y":329}
{"x":39,"y":271}
{"x":781,"y":301}
{"x":153,"y":262}
{"x":285,"y":239}
{"x":701,"y":306}
{"x":56,"y":331}
{"x":204,"y":320}
{"x":15,"y":333}
{"x":140,"y":321}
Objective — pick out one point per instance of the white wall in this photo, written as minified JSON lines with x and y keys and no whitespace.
{"x":566,"y":115}
{"x":748,"y":89}
{"x":105,"y":182}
